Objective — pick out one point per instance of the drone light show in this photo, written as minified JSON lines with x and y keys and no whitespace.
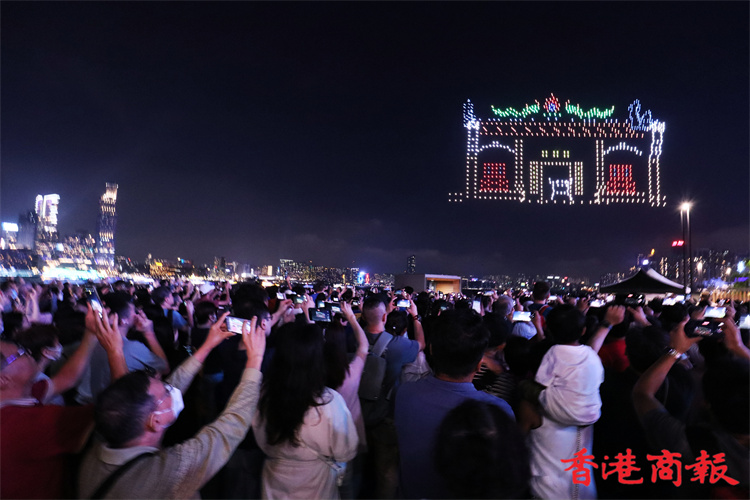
{"x":555,"y":153}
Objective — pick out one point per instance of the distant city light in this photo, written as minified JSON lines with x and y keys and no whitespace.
{"x":741,"y":266}
{"x":678,"y":243}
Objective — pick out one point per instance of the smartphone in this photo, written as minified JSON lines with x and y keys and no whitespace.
{"x":335,"y":308}
{"x":489,"y":293}
{"x":403,"y":303}
{"x":355,"y":302}
{"x":92,"y":296}
{"x":321,"y":304}
{"x":552,"y":298}
{"x":477,"y":306}
{"x":597,"y":303}
{"x":715,"y":312}
{"x":298,"y":299}
{"x":668,"y":302}
{"x":679,"y":298}
{"x":745,"y":322}
{"x":280,"y":296}
{"x":320,"y":315}
{"x":521,"y":315}
{"x":234,"y":325}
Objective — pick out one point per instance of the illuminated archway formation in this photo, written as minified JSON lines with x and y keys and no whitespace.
{"x":554,"y":152}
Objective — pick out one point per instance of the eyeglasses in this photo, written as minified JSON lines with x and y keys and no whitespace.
{"x":5,"y":361}
{"x":167,"y":387}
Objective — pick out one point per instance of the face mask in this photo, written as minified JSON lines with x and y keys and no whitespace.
{"x":53,"y":353}
{"x":177,"y":403}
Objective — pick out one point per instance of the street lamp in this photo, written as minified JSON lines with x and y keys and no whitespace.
{"x":685,"y":208}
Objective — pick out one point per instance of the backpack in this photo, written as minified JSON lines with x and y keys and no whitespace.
{"x":373,"y":396}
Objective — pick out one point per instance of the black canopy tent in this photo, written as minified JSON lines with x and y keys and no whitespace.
{"x":644,"y":281}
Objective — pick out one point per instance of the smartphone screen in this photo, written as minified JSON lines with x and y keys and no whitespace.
{"x":521,"y":315}
{"x":715,"y":312}
{"x":93,"y":298}
{"x":403,"y":303}
{"x":234,"y":325}
{"x":320,"y":315}
{"x":597,"y":303}
{"x":477,"y":306}
{"x":745,"y":322}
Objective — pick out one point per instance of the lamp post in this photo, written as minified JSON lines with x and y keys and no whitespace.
{"x":685,"y":208}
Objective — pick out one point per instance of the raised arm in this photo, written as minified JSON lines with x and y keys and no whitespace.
{"x":363,"y":346}
{"x":418,"y":330}
{"x":73,"y":369}
{"x":146,"y":327}
{"x":644,"y":391}
{"x":614,"y":316}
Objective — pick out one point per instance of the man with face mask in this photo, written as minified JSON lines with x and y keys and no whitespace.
{"x":133,"y":414}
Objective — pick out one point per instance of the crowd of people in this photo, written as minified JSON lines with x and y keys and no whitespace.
{"x":112,"y":390}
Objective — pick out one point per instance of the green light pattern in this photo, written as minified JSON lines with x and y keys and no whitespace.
{"x":529,"y":109}
{"x":592,"y":113}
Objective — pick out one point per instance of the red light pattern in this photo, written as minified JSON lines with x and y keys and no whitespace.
{"x":494,"y":179}
{"x":552,"y":105}
{"x":621,"y":179}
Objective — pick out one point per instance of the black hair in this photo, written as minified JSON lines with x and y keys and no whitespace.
{"x":334,"y":355}
{"x":159,"y":295}
{"x":540,"y":290}
{"x":119,"y":303}
{"x":122,"y":409}
{"x":565,"y":323}
{"x":481,"y":453}
{"x":295,"y":381}
{"x":457,"y":343}
{"x":396,"y":322}
{"x":643,"y":346}
{"x":35,"y":338}
{"x":498,"y":327}
{"x":203,"y":310}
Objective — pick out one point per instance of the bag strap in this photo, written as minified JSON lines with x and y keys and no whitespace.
{"x":381,"y":345}
{"x":104,"y":488}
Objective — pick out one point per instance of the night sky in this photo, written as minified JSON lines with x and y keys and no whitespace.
{"x":333,"y":132}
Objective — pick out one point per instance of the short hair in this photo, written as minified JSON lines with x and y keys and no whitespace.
{"x":565,"y":323}
{"x":481,"y":453}
{"x":503,"y":305}
{"x":122,"y":409}
{"x":457,"y":342}
{"x":203,"y":310}
{"x":540,"y":290}
{"x":643,"y":346}
{"x":35,"y":338}
{"x":159,"y":295}
{"x":371,"y":308}
{"x":119,"y":303}
{"x":498,"y":327}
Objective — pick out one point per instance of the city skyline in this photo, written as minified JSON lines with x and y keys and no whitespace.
{"x":333,"y":132}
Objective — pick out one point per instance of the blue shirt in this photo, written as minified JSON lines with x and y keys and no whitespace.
{"x":420,"y":408}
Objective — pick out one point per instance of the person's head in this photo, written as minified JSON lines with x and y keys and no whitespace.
{"x":497,"y":325}
{"x":457,"y":342}
{"x":120,"y":303}
{"x":255,"y":310}
{"x":205,"y":313}
{"x":41,"y":342}
{"x":481,"y":453}
{"x":566,"y":323}
{"x":643,"y":346}
{"x":295,"y":381}
{"x":503,"y":305}
{"x":396,"y":322}
{"x":17,"y":369}
{"x":162,"y":296}
{"x":540,"y":292}
{"x":373,"y":311}
{"x":135,"y":407}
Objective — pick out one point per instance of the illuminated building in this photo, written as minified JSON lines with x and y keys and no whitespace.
{"x":46,"y":212}
{"x":558,"y":153}
{"x":105,"y":227}
{"x":411,"y":264}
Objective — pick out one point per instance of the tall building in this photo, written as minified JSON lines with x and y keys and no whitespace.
{"x":105,"y":227}
{"x":46,"y":212}
{"x":411,"y":264}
